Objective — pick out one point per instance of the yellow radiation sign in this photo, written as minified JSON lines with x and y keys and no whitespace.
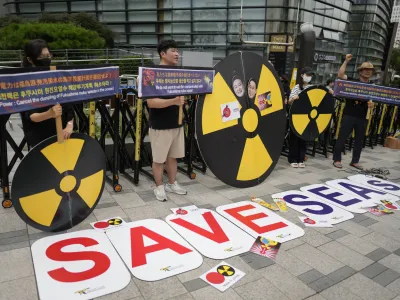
{"x":311,"y":113}
{"x":57,"y":185}
{"x":240,"y":127}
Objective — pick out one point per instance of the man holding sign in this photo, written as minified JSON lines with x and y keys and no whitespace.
{"x":167,"y":136}
{"x":355,"y":117}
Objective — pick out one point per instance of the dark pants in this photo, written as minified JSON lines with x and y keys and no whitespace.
{"x":348,"y":124}
{"x":297,"y":149}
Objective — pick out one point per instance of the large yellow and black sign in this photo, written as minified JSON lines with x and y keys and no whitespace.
{"x":242,"y":152}
{"x":57,"y":185}
{"x":311,"y":113}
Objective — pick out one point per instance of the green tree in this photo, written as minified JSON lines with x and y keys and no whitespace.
{"x":58,"y":36}
{"x":84,"y":20}
{"x":395,"y":60}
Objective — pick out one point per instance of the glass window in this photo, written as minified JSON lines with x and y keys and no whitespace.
{"x":82,"y":6}
{"x":138,"y":4}
{"x":209,"y":14}
{"x":112,"y":17}
{"x":29,"y":7}
{"x":56,"y":7}
{"x":181,"y":15}
{"x":114,"y":4}
{"x":181,"y":28}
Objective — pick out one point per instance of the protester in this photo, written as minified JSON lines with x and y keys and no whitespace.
{"x":166,"y":135}
{"x":39,"y":124}
{"x":285,"y":84}
{"x":297,"y":146}
{"x":330,"y":84}
{"x":354,"y":117}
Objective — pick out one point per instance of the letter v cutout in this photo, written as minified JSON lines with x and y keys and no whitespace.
{"x":211,"y":234}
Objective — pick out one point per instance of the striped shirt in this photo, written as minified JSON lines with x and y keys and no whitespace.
{"x":296,"y":90}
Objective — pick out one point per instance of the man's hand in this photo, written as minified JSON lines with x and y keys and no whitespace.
{"x":180,"y":100}
{"x":371,"y":104}
{"x":56,"y":111}
{"x":331,"y":92}
{"x":295,"y":98}
{"x":349,"y":57}
{"x":68,"y":131}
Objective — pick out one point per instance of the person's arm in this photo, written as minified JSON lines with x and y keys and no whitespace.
{"x":294,"y":95}
{"x":53,"y":112}
{"x":163,"y":103}
{"x":342,"y":70}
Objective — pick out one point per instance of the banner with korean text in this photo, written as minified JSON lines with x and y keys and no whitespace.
{"x":25,"y":91}
{"x":164,"y":82}
{"x":365,"y":91}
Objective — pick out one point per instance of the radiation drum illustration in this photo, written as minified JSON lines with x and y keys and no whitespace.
{"x":242,"y":152}
{"x":57,"y":185}
{"x":311,"y":113}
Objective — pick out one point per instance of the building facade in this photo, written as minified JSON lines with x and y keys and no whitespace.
{"x":213,"y":25}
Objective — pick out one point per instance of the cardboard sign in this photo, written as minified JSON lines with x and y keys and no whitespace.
{"x":77,"y":265}
{"x":260,"y":221}
{"x":223,"y":276}
{"x":337,"y":197}
{"x":212,"y":235}
{"x":361,"y":190}
{"x":314,"y":208}
{"x":265,"y":247}
{"x":389,"y":205}
{"x":230,"y":111}
{"x":380,"y":210}
{"x":152,"y":250}
{"x":377,"y":184}
{"x":108,"y":224}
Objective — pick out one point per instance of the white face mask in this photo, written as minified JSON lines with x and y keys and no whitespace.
{"x":306,"y":78}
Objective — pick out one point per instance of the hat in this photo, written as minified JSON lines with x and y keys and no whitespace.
{"x":307,"y":70}
{"x":366,"y":65}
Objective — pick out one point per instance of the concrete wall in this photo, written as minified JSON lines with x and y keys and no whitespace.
{"x":2,"y":8}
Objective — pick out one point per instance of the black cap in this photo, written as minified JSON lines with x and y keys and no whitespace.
{"x":307,"y":70}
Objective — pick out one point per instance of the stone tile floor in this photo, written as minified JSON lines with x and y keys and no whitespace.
{"x":357,"y":259}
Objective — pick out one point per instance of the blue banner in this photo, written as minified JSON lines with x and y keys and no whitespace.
{"x":25,"y":91}
{"x":365,"y":91}
{"x":163,"y":82}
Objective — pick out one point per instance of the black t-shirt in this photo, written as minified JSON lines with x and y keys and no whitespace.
{"x":355,"y":108}
{"x":164,"y":118}
{"x":36,"y":132}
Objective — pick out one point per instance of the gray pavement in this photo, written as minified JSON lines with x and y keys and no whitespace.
{"x":357,"y":259}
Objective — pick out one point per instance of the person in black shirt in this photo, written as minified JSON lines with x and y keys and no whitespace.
{"x":167,"y":137}
{"x":39,"y":124}
{"x":354,"y":117}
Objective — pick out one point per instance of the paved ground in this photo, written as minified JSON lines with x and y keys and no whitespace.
{"x":357,"y":259}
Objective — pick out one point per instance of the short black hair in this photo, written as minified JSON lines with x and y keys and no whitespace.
{"x":329,"y":81}
{"x":164,"y":45}
{"x":33,"y":49}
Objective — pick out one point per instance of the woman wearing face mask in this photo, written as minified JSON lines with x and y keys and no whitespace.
{"x":39,"y":124}
{"x":297,"y":146}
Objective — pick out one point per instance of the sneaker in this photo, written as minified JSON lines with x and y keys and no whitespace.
{"x":160,"y":193}
{"x":302,"y":165}
{"x":175,"y":188}
{"x":294,"y":165}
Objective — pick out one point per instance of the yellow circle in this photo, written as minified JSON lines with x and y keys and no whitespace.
{"x":68,"y":183}
{"x":250,"y":120}
{"x":313,"y":114}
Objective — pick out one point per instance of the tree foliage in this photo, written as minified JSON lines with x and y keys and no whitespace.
{"x":84,"y":20}
{"x":57,"y":35}
{"x":395,"y":60}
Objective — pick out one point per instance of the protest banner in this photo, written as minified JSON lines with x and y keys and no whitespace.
{"x":367,"y":92}
{"x":25,"y":91}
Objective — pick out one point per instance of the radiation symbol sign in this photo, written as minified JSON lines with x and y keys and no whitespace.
{"x":57,"y":186}
{"x":226,"y":270}
{"x":242,"y":152}
{"x":311,"y":113}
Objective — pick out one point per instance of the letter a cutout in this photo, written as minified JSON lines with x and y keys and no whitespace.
{"x":212,"y":235}
{"x":152,"y":250}
{"x":77,"y":265}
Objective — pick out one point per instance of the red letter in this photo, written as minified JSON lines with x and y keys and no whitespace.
{"x":248,"y":220}
{"x":101,"y":261}
{"x":139,"y":250}
{"x":217,"y":234}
